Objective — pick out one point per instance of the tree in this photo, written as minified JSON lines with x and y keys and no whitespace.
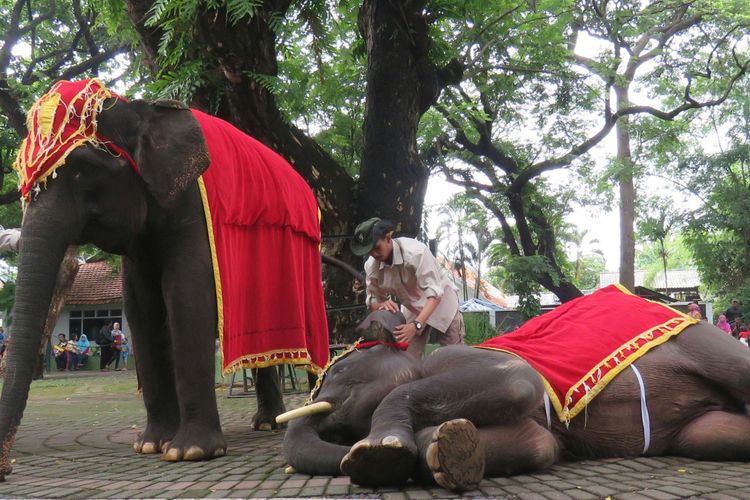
{"x":465,"y":229}
{"x":657,"y":228}
{"x":525,"y":78}
{"x":588,"y":259}
{"x":668,"y":42}
{"x":719,"y":232}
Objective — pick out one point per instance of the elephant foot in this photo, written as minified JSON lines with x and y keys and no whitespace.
{"x":194,"y":445}
{"x":388,"y":462}
{"x":456,"y":455}
{"x":153,"y":440}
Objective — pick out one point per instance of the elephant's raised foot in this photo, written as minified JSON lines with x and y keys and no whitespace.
{"x":456,"y":455}
{"x":384,"y":463}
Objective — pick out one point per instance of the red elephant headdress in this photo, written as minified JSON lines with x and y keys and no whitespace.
{"x":60,"y":121}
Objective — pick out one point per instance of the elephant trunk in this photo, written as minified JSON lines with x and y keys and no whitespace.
{"x":46,"y":233}
{"x":308,"y":453}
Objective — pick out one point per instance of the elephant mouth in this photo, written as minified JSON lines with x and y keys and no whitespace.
{"x":304,"y":411}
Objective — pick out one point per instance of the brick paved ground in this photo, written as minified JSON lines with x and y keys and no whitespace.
{"x":75,"y":442}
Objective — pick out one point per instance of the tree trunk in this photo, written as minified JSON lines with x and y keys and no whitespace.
{"x":402,"y":84}
{"x":478,"y":286}
{"x":627,"y":194}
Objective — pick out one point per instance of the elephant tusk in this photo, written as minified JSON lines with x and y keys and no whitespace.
{"x":311,"y":409}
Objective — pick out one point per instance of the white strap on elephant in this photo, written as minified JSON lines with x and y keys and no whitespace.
{"x":645,"y":419}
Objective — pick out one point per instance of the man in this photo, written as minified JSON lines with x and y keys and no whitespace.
{"x":734,"y":311}
{"x":61,"y":354}
{"x":105,"y":340}
{"x":405,"y":270}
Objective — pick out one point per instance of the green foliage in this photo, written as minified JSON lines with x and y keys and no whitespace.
{"x":718,"y":233}
{"x":478,"y":328}
{"x":520,"y":275}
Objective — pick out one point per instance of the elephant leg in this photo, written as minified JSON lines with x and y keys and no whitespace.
{"x":146,"y":315}
{"x":457,"y":456}
{"x":187,"y":283}
{"x":484,"y":387}
{"x":716,"y":436}
{"x":269,"y":397}
{"x":711,"y":352}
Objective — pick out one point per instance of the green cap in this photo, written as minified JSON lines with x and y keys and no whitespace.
{"x":364,"y":240}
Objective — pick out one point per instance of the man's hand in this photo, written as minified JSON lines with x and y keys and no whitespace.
{"x":388,"y":305}
{"x":405,"y":332}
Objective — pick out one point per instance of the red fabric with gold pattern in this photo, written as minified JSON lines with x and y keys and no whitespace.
{"x":265,"y":233}
{"x":60,"y":121}
{"x":581,"y":345}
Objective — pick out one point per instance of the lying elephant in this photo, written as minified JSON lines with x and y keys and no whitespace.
{"x":381,"y":416}
{"x":133,"y":178}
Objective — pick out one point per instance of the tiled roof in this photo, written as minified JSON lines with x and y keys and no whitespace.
{"x":487,"y":291}
{"x":96,"y":283}
{"x":677,"y":279}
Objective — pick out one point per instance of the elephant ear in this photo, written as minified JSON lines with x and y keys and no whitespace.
{"x":165,"y":141}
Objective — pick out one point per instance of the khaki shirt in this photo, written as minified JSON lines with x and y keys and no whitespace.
{"x":412,"y":278}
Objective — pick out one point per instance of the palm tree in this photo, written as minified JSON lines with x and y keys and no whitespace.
{"x":465,"y":227}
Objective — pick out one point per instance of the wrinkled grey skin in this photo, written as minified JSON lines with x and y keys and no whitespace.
{"x":696,"y":387}
{"x":155,"y":221}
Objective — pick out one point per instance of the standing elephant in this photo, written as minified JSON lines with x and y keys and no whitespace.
{"x":381,"y":417}
{"x":133,"y":178}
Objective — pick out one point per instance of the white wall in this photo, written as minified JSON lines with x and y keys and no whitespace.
{"x":63,"y":320}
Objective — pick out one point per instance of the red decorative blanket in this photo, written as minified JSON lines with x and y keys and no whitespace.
{"x":264,"y":229}
{"x":583,"y":344}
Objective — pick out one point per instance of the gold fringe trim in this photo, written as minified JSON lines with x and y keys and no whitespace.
{"x":215,"y":266}
{"x":297,"y":357}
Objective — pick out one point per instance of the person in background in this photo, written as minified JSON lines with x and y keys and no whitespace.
{"x":125,"y":353}
{"x":723,"y":324}
{"x":104,"y":339}
{"x":404,"y":269}
{"x":734,"y":311}
{"x":2,"y":341}
{"x":694,"y":311}
{"x":61,"y":357}
{"x":736,"y":327}
{"x":117,"y":337}
{"x":84,"y":347}
{"x":71,"y":353}
{"x":743,"y":333}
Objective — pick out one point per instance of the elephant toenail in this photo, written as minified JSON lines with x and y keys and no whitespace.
{"x":265,"y":426}
{"x":195,"y":453}
{"x":137,"y":447}
{"x":149,"y":448}
{"x":172,"y":455}
{"x":220,"y":452}
{"x":290,"y":470}
{"x":392,"y":442}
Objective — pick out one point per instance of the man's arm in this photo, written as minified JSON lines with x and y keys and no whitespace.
{"x":9,"y":239}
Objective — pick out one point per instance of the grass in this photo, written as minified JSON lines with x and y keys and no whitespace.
{"x":52,"y":388}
